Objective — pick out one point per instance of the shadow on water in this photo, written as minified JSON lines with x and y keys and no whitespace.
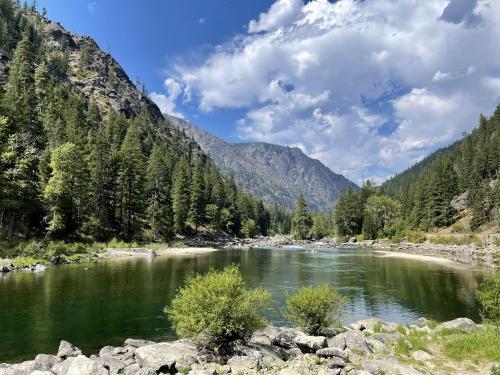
{"x":92,"y":305}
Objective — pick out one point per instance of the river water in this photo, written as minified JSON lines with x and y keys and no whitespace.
{"x":96,"y":304}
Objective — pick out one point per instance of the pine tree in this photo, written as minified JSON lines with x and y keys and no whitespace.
{"x":181,"y":195}
{"x":197,"y":205}
{"x":131,"y":181}
{"x":301,"y":220}
{"x":159,"y":208}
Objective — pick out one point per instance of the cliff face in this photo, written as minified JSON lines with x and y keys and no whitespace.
{"x":276,"y":173}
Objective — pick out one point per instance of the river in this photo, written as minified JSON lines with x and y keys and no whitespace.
{"x":96,"y":304}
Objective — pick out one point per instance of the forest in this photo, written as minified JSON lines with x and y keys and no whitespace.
{"x":70,"y":170}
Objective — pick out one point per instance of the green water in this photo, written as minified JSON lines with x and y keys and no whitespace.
{"x":98,"y":304}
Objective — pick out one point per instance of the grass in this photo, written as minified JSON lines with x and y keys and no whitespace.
{"x":432,"y":323}
{"x":410,"y":343}
{"x":496,"y":241}
{"x":483,"y":345}
{"x":452,"y":240}
{"x":21,"y":262}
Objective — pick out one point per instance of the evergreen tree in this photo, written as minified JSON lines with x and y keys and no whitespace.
{"x":131,"y":181}
{"x":159,"y":208}
{"x":181,"y":195}
{"x":301,"y":220}
{"x":197,"y":206}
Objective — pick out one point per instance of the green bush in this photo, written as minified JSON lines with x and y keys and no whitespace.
{"x":314,"y":308}
{"x":217,"y":308}
{"x":249,"y":228}
{"x":451,"y":240}
{"x":488,"y":295}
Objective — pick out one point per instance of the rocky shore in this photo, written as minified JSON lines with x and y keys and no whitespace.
{"x":363,"y":348}
{"x":488,"y":255}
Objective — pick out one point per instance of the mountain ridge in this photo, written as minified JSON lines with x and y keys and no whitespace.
{"x":276,"y":173}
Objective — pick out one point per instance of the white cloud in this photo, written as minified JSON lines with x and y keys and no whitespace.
{"x":92,"y":6}
{"x":167,"y":102}
{"x":368,"y":87}
{"x":280,"y":13}
{"x":201,"y":21}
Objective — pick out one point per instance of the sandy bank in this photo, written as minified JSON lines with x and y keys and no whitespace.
{"x":425,"y":258}
{"x":167,"y":251}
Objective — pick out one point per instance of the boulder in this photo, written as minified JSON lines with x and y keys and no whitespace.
{"x":79,"y":365}
{"x":131,"y":369}
{"x":332,"y":352}
{"x":355,"y":342}
{"x":240,"y":364}
{"x":336,"y":362}
{"x":39,"y":268}
{"x":40,"y":372}
{"x":45,"y":362}
{"x":106,"y":351}
{"x":385,"y":366}
{"x":162,"y":357}
{"x":202,"y":372}
{"x":367,"y":324}
{"x":388,"y":338}
{"x":353,"y":240}
{"x":265,"y":336}
{"x":310,"y":344}
{"x":26,"y":367}
{"x":114,"y":365}
{"x":461,"y":324}
{"x":137,"y":343}
{"x":67,"y":350}
{"x":6,"y":265}
{"x":421,"y":322}
{"x":420,"y":355}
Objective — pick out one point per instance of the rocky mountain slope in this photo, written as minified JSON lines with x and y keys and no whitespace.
{"x":275,"y":173}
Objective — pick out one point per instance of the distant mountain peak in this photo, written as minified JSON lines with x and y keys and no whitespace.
{"x":277,"y":174}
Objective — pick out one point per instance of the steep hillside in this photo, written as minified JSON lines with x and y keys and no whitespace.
{"x":469,"y":168}
{"x":278,"y":174}
{"x":85,"y":155}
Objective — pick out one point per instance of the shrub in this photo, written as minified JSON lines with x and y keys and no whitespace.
{"x":488,"y":295}
{"x":451,"y":240}
{"x":312,"y":308}
{"x":217,"y":308}
{"x":249,"y":228}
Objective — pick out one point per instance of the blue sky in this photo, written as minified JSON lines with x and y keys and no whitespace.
{"x":367,"y":87}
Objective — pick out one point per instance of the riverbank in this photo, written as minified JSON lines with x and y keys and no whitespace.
{"x":453,"y":255}
{"x":469,"y":254}
{"x":367,"y":347}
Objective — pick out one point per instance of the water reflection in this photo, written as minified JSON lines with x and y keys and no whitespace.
{"x":104,"y":303}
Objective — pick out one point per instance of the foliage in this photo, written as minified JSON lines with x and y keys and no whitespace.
{"x":482,"y":345}
{"x":453,"y":240}
{"x":217,"y":308}
{"x":488,"y":295}
{"x":380,"y":216}
{"x":249,"y":228}
{"x":412,"y":341}
{"x":314,"y":308}
{"x":301,"y":220}
{"x":73,"y":168}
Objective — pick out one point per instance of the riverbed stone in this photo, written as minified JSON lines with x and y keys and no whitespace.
{"x":332,"y":352}
{"x":355,"y":341}
{"x":137,"y":343}
{"x":310,"y":344}
{"x":421,"y":322}
{"x":106,"y":350}
{"x":79,"y":365}
{"x":385,"y":366}
{"x":67,"y":349}
{"x":131,"y":369}
{"x":241,"y":364}
{"x":265,"y":336}
{"x":336,"y":362}
{"x":461,"y":324}
{"x":112,"y":364}
{"x":367,"y":324}
{"x":162,"y":357}
{"x":6,"y":265}
{"x":45,"y":362}
{"x":42,"y":372}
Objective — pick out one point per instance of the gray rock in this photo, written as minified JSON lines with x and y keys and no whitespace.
{"x":162,"y":357}
{"x":6,"y":265}
{"x":461,"y":324}
{"x":242,"y":363}
{"x":421,"y":322}
{"x":107,"y":350}
{"x":112,"y":364}
{"x":146,"y":371}
{"x":67,"y":350}
{"x":137,"y":343}
{"x":385,"y":366}
{"x":353,"y":240}
{"x":79,"y":365}
{"x":337,"y":342}
{"x":332,"y":352}
{"x":23,"y":368}
{"x":45,"y":362}
{"x":265,"y":336}
{"x":310,"y":344}
{"x":387,"y":338}
{"x":131,"y":369}
{"x":286,"y":339}
{"x":40,"y":372}
{"x":336,"y":362}
{"x":39,"y":268}
{"x":460,"y":203}
{"x":367,"y":324}
{"x":202,"y":372}
{"x":356,"y":342}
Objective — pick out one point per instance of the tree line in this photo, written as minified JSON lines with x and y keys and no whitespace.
{"x":70,"y":171}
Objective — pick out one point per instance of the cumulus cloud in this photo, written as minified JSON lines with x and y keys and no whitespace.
{"x":367,"y":87}
{"x":167,"y":101}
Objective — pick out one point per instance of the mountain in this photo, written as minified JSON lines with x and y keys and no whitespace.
{"x":277,"y":174}
{"x":85,"y":155}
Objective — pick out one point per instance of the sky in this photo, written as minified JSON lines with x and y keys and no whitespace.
{"x":368,"y":87}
